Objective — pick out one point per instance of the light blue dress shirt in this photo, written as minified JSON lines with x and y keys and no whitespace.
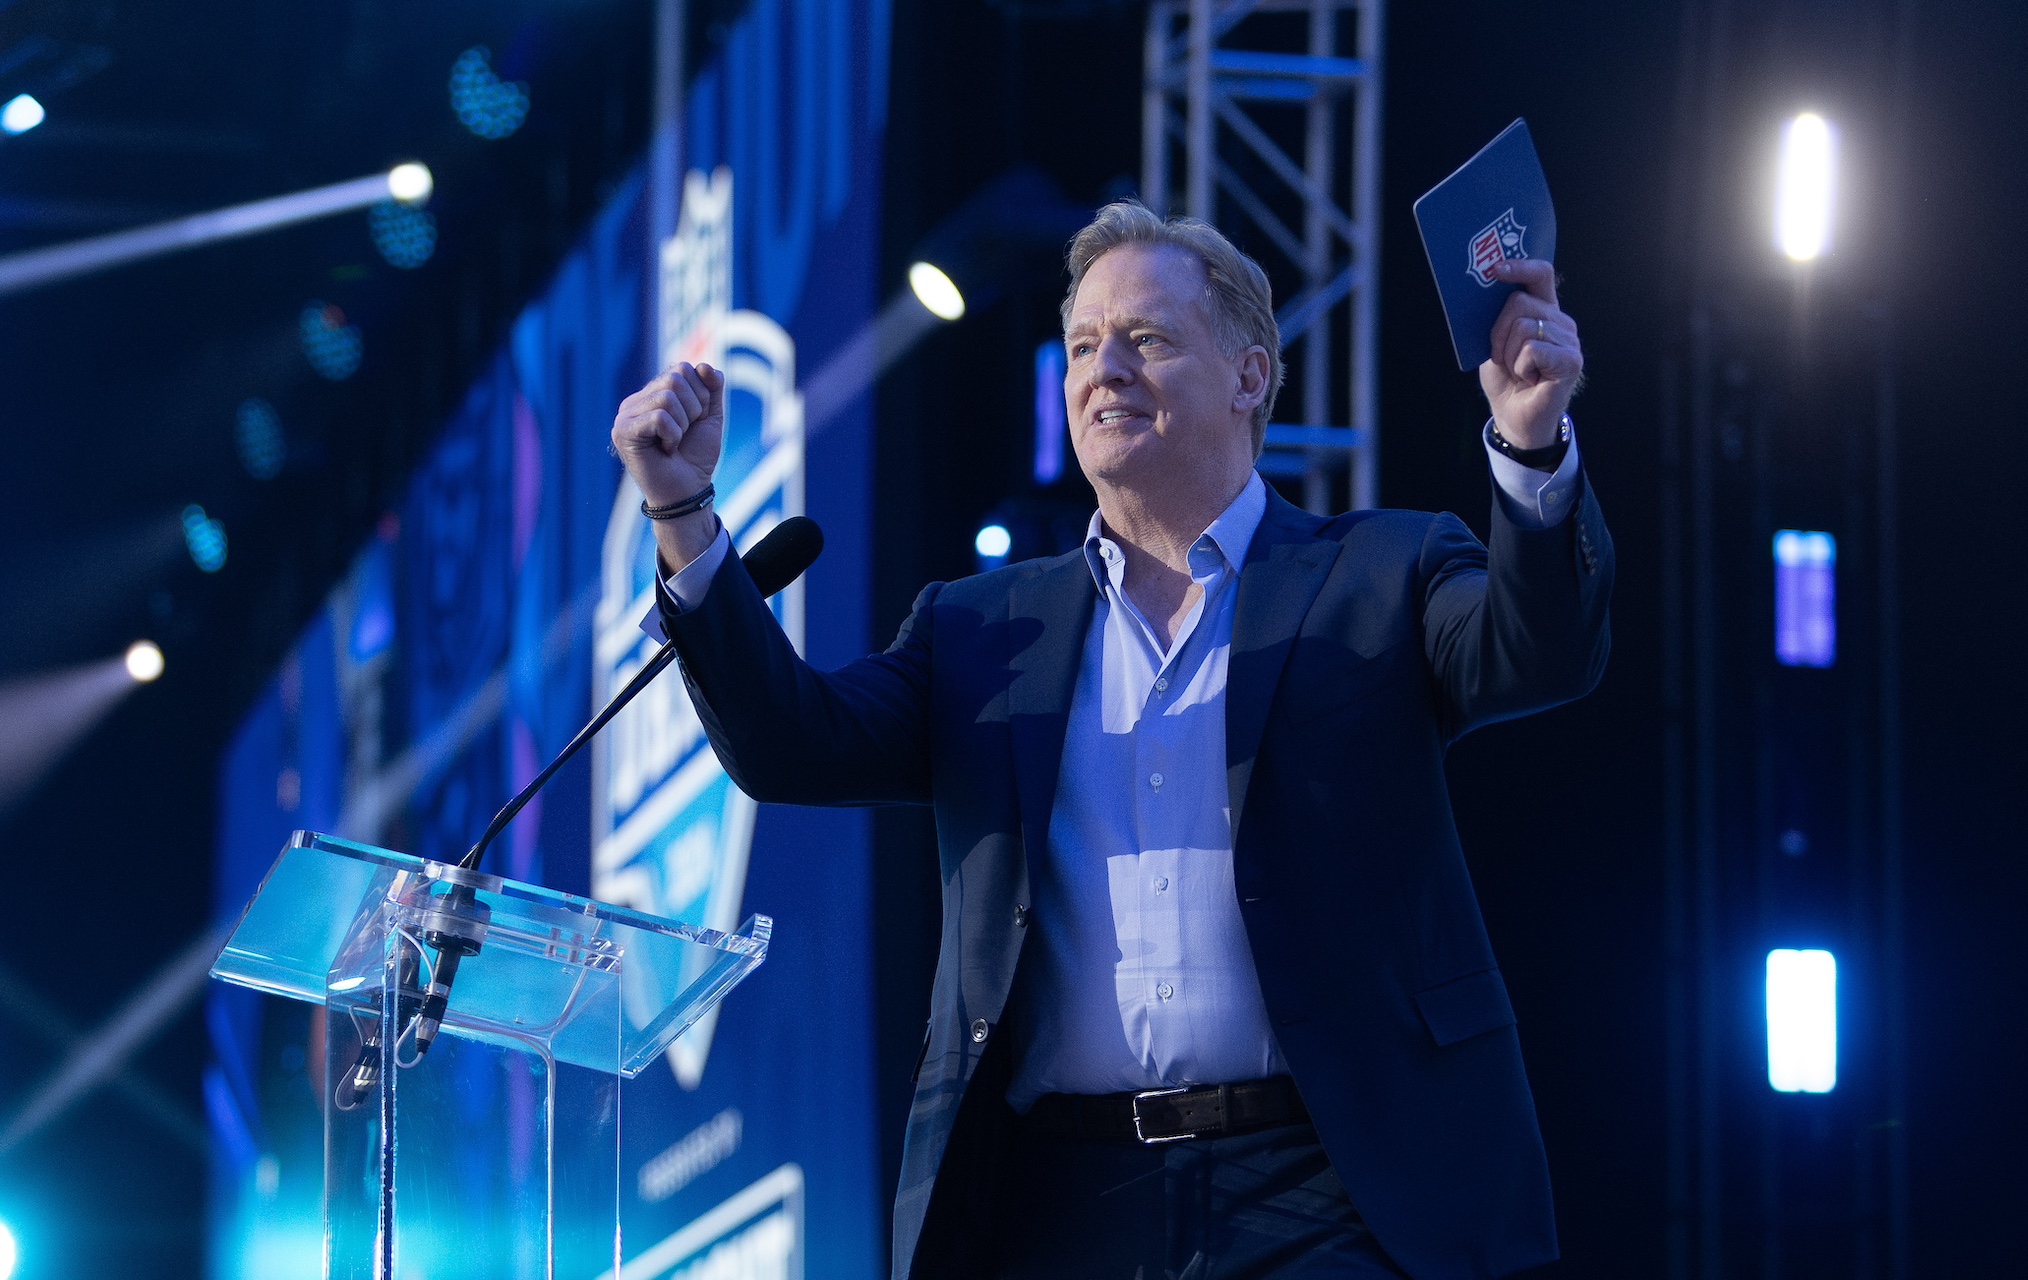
{"x":1139,"y":974}
{"x":1136,"y":884}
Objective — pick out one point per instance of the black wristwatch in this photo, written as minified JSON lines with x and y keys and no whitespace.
{"x":1547,"y":458}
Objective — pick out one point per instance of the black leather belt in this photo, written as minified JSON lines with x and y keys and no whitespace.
{"x":1171,"y":1115}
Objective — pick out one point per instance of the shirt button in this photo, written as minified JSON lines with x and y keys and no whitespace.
{"x":1164,"y":990}
{"x":1155,"y":780}
{"x":1162,"y":684}
{"x":979,"y":1030}
{"x":1020,"y":916}
{"x":1161,"y":884}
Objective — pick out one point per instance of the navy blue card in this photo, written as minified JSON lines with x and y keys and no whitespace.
{"x":1493,"y":208}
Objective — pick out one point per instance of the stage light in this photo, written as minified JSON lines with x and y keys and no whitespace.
{"x":1802,"y":1021}
{"x":33,"y":268}
{"x":1049,"y":424}
{"x":410,"y":183}
{"x":484,"y":103}
{"x":405,"y":235}
{"x":993,"y":542}
{"x":21,"y":114}
{"x":935,"y":290}
{"x":10,"y":1253}
{"x":1806,"y":598}
{"x":332,"y":346}
{"x":144,"y":661}
{"x":257,"y":430}
{"x":1804,"y":187}
{"x":205,"y":537}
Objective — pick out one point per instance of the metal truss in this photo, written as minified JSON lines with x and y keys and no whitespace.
{"x":1238,"y":90}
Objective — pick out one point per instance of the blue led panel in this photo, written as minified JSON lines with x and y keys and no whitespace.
{"x":1802,"y":1020}
{"x":1806,"y":598}
{"x":257,"y":430}
{"x":204,"y":537}
{"x":484,"y":103}
{"x":332,"y":346}
{"x":1049,"y":427}
{"x":405,"y":235}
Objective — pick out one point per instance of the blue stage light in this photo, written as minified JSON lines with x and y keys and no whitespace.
{"x":257,"y":429}
{"x":1802,"y":1021}
{"x":10,"y":1253}
{"x":486,"y":104}
{"x":205,"y":537}
{"x":405,"y":235}
{"x":1806,"y":598}
{"x":993,"y":542}
{"x":332,"y":346}
{"x":21,"y":114}
{"x":1049,"y":425}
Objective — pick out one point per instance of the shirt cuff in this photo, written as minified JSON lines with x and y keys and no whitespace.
{"x":1533,"y":499}
{"x":688,"y":584}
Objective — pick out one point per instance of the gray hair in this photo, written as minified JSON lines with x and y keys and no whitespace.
{"x":1237,"y":293}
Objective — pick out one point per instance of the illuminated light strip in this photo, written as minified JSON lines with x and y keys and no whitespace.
{"x":784,"y":1186}
{"x":1802,"y":1021}
{"x":38,"y":267}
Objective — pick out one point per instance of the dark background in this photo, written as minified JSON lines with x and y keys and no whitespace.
{"x":120,"y":391}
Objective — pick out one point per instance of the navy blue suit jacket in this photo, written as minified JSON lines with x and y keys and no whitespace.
{"x":1362,"y":646}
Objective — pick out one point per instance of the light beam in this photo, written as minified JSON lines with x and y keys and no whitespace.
{"x":410,"y":183}
{"x":43,"y":716}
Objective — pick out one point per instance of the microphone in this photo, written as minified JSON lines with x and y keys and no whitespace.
{"x":458,"y":928}
{"x":780,"y":558}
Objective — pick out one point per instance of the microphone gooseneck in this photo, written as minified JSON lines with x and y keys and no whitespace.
{"x":457,"y":928}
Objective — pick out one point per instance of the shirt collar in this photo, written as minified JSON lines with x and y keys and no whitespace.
{"x":1231,"y":533}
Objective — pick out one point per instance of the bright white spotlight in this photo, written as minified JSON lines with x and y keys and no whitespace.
{"x":1802,"y":1021}
{"x":410,"y":183}
{"x":9,"y":1254}
{"x":938,"y":295}
{"x":993,"y":541}
{"x":1804,"y":187}
{"x":21,"y":114}
{"x":144,"y":661}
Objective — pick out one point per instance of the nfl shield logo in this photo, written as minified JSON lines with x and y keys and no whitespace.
{"x":1500,"y":241}
{"x":671,"y":834}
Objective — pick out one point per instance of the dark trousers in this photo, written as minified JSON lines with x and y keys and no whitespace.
{"x":1259,"y":1206}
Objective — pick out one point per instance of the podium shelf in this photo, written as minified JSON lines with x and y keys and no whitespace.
{"x":318,"y":924}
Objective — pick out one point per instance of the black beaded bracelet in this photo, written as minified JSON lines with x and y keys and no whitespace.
{"x":1549,"y":455}
{"x":695,"y":502}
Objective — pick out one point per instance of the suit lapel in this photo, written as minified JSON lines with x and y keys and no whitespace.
{"x":1285,"y":569}
{"x":1049,"y":613}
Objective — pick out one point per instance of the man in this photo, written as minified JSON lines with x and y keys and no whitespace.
{"x":1214,"y":996}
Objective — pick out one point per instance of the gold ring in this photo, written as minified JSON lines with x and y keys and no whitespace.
{"x":1540,"y":332}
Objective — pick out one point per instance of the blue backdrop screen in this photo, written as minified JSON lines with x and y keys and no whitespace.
{"x":497,"y":607}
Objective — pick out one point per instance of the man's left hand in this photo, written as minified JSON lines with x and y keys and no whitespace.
{"x":1536,"y":362}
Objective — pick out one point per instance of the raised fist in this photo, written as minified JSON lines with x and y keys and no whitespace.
{"x":669,"y":433}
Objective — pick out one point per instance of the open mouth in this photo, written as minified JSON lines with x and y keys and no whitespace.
{"x":1109,"y":417}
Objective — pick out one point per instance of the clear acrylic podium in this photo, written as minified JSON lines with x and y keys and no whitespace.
{"x":495,"y":1156}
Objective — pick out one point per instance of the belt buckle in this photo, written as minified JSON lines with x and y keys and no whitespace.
{"x":1141,"y":1134}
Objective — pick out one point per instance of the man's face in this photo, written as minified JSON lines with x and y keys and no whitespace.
{"x":1150,"y":394}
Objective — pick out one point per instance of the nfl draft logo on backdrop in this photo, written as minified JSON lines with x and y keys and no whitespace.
{"x":1500,"y":241}
{"x":670,"y":833}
